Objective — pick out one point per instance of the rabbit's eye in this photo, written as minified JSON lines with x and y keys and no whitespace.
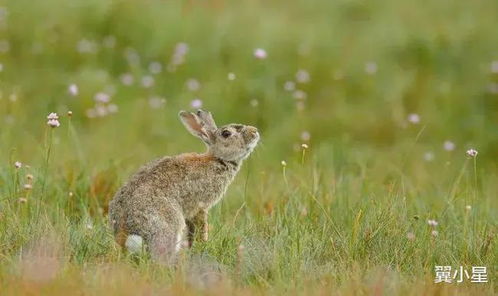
{"x":226,"y":133}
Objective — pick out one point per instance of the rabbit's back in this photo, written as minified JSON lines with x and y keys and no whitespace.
{"x":187,"y":182}
{"x":133,"y":200}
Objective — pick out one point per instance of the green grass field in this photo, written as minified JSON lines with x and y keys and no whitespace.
{"x":387,"y":95}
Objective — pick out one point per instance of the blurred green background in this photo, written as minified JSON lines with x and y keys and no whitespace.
{"x":370,"y":65}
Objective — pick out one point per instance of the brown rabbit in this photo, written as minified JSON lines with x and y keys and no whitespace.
{"x":174,"y":193}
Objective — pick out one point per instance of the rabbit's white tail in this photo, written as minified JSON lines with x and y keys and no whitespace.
{"x":134,"y":243}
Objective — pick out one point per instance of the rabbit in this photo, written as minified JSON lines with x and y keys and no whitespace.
{"x":171,"y":196}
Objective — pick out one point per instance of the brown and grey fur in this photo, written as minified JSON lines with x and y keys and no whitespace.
{"x":171,"y":196}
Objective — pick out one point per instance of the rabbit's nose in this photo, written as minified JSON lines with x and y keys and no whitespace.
{"x":250,"y":133}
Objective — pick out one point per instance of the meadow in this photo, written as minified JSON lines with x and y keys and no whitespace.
{"x":364,"y":180}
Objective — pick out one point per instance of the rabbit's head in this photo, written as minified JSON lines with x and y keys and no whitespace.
{"x":232,"y":142}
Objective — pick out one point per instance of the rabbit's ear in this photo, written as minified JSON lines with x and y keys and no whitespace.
{"x":194,"y":125}
{"x":207,"y":119}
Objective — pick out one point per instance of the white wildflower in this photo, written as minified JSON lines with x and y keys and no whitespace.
{"x":371,"y":68}
{"x":414,"y":118}
{"x":303,"y":76}
{"x":53,"y":120}
{"x":53,"y":123}
{"x":260,"y":53}
{"x":305,"y":136}
{"x":193,"y":84}
{"x":155,"y":67}
{"x":127,"y":79}
{"x":299,"y":95}
{"x":53,"y":115}
{"x":148,"y":81}
{"x":472,"y":152}
{"x":289,"y":86}
{"x":429,"y":156}
{"x":102,"y":97}
{"x":196,"y":103}
{"x":494,"y":67}
{"x":432,"y":223}
{"x":449,"y":145}
{"x":73,"y":89}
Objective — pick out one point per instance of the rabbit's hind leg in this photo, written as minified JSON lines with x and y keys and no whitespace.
{"x":165,"y":237}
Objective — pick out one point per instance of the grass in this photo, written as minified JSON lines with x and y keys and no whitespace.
{"x":347,"y":215}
